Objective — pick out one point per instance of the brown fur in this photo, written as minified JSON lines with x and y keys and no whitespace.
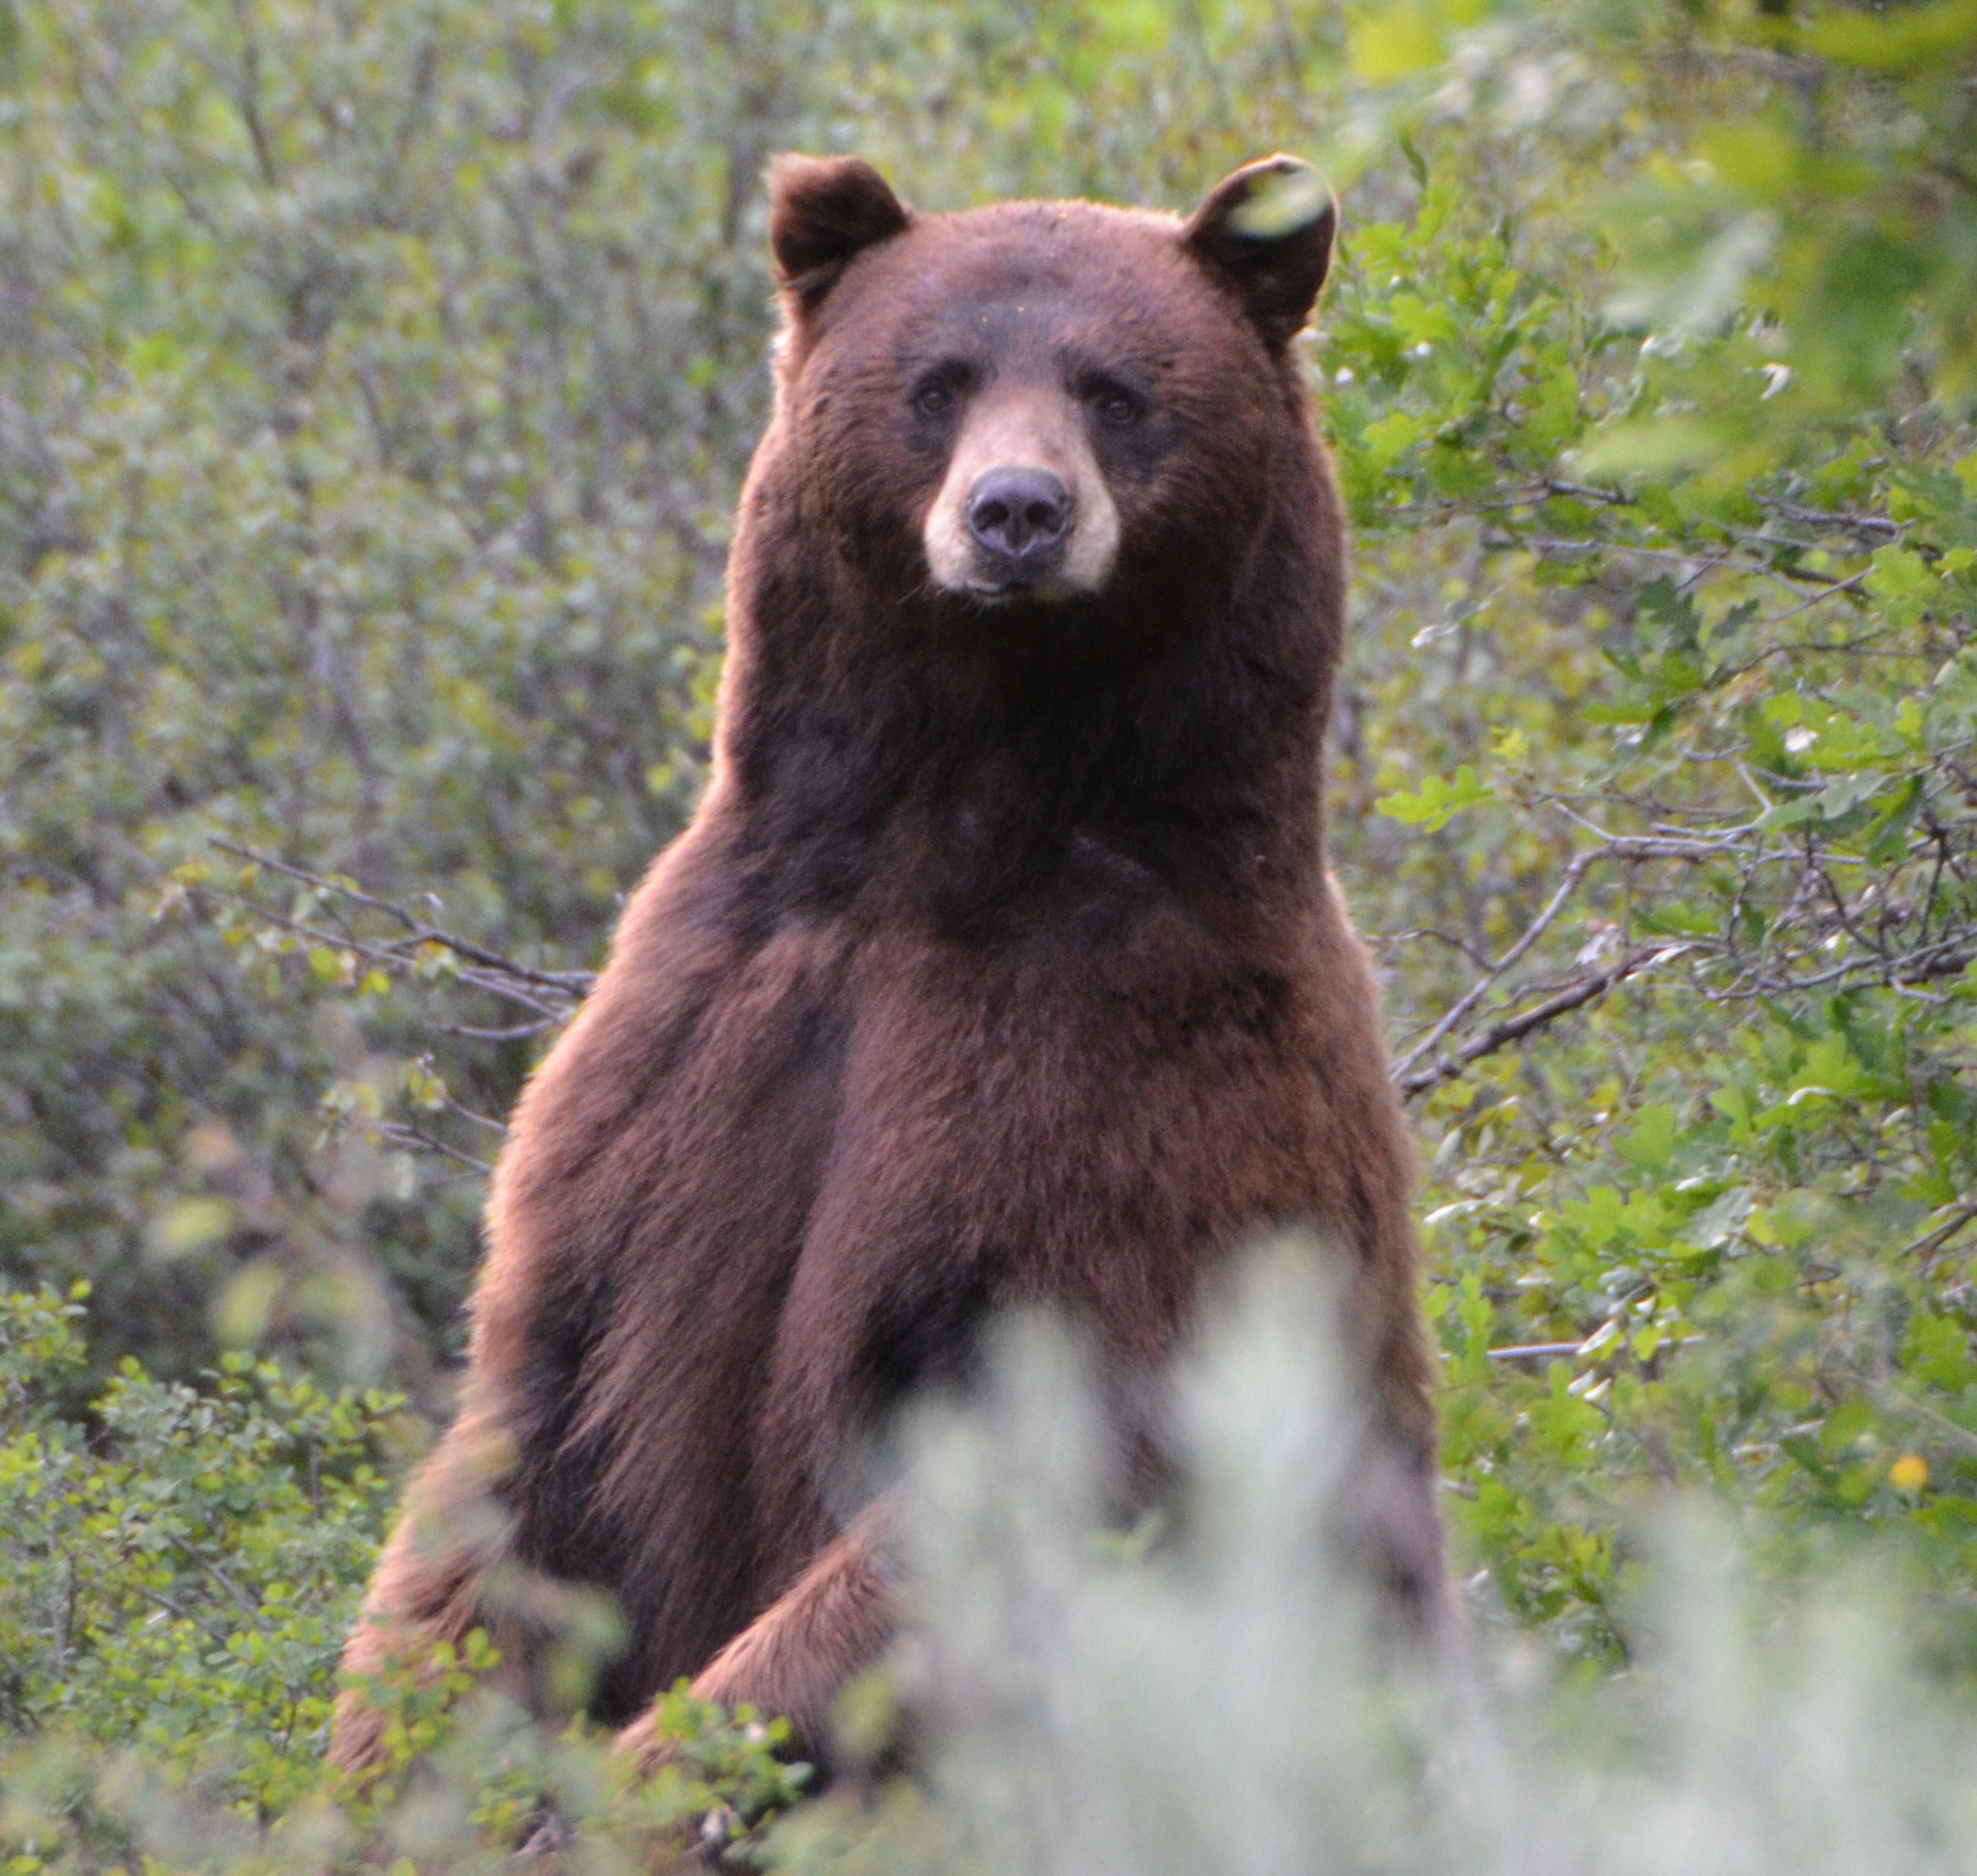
{"x":1000,"y":962}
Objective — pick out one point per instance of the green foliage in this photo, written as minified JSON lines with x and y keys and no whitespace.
{"x":1208,"y":1692}
{"x":1218,"y":1700}
{"x":180,"y":1573}
{"x":376,"y":383}
{"x":176,"y":1580}
{"x":1685,"y":711}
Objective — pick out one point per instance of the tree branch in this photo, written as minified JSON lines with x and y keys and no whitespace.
{"x":1502,"y":1034}
{"x":571,"y":983}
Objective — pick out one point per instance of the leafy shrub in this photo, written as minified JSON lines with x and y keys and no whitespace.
{"x":1210,"y":1692}
{"x":180,"y":1573}
{"x":375,"y":383}
{"x":1221,"y":1700}
{"x":177,"y":1579}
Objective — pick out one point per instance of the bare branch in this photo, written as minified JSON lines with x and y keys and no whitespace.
{"x":409,"y":1133}
{"x":1513,"y":1029}
{"x":396,"y":957}
{"x":1874,"y":528}
{"x":1476,"y":993}
{"x":241,"y":1599}
{"x":1653,"y":846}
{"x":571,"y":983}
{"x":1931,"y":1241}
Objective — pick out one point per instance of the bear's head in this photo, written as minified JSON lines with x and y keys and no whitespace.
{"x":1043,"y":408}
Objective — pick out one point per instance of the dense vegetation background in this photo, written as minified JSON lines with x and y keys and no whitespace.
{"x":376,"y":382}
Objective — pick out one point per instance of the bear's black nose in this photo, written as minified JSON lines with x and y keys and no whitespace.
{"x":1018,"y":514}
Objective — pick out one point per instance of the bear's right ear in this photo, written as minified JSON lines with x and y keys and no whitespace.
{"x":823,"y":212}
{"x":1268,"y":232}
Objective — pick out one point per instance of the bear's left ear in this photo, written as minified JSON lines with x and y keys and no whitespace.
{"x":823,"y":212}
{"x":1267,"y":231}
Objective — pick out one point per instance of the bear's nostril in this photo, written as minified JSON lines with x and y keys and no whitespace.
{"x":1019,"y":514}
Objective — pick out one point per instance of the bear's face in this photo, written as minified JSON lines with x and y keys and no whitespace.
{"x":1040,"y":404}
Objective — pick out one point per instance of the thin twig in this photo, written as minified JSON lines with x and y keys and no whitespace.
{"x":1513,"y":1029}
{"x":171,"y":1608}
{"x":1574,"y":872}
{"x":407,"y":1133}
{"x":1617,"y":847}
{"x":1931,"y":1241}
{"x":393,"y":957}
{"x":573,"y":983}
{"x":1950,"y":1430}
{"x":1881,"y":527}
{"x":514,"y":1032}
{"x":226,"y":1582}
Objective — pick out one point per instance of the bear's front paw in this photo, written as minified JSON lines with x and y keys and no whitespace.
{"x":650,"y":1749}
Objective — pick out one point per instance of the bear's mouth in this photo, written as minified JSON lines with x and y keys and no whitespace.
{"x":1030,"y":591}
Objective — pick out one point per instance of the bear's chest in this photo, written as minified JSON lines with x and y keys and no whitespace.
{"x":1077,"y":1102}
{"x":1039,"y":1120}
{"x":1084,"y":1026}
{"x":882,"y":1128}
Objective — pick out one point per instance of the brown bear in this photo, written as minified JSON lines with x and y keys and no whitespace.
{"x":1001,"y":962}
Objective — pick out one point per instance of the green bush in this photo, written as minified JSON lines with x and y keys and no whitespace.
{"x":177,"y":1579}
{"x":374,"y":386}
{"x":1209,"y":1691}
{"x":1217,"y":1699}
{"x":179,"y":1574}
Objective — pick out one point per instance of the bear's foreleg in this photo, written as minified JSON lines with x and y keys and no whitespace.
{"x":794,"y":1657}
{"x":430,"y":1584}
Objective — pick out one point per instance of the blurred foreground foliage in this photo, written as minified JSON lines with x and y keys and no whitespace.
{"x":374,"y":385}
{"x":1179,"y":1700}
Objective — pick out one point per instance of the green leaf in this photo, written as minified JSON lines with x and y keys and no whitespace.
{"x":1437,"y":801}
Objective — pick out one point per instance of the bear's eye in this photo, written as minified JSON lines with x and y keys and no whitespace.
{"x":934,"y":400}
{"x":1115,"y":404}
